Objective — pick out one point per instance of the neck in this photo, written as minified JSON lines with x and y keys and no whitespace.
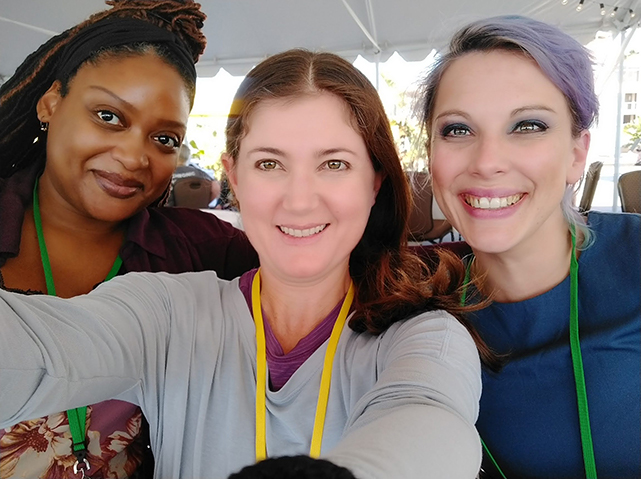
{"x":533,"y":268}
{"x":294,"y":309}
{"x":59,"y":217}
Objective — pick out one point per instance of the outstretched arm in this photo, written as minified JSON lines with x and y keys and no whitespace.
{"x":418,"y":420}
{"x":56,"y":354}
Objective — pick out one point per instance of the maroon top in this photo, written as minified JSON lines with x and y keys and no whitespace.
{"x":175,"y":240}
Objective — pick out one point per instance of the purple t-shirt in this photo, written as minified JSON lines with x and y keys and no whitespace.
{"x":281,"y":366}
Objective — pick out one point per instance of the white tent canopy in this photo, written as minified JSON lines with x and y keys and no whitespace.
{"x":242,"y":32}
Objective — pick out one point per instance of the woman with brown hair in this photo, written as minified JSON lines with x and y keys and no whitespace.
{"x":232,"y":372}
{"x":90,"y":127}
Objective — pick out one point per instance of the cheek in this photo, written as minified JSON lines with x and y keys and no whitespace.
{"x":162,"y":171}
{"x":353,"y":202}
{"x":441,"y":171}
{"x":254,"y":195}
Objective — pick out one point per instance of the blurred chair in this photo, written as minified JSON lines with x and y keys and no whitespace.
{"x":591,"y":180}
{"x":629,"y":187}
{"x":192,"y":192}
{"x":423,"y":227}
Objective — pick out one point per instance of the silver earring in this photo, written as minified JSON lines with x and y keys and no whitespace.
{"x":44,"y":126}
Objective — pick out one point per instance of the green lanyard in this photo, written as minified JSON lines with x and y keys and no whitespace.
{"x":577,"y":365}
{"x":77,"y":417}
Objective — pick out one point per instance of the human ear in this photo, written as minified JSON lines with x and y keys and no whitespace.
{"x":230,"y":170}
{"x":378,"y":181}
{"x":579,"y":157}
{"x":48,"y":103}
{"x":379,"y":176}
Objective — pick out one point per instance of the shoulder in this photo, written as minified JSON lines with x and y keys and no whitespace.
{"x":192,"y":290}
{"x":182,"y":239}
{"x":434,"y":333}
{"x":432,"y":353}
{"x":615,"y":226}
{"x":180,"y":221}
{"x":617,"y":240}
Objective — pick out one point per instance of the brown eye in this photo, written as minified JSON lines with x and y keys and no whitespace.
{"x":168,"y":141}
{"x":109,"y":117}
{"x":336,"y":165}
{"x":267,"y":165}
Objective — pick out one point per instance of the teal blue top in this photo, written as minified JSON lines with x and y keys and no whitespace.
{"x":528,"y":416}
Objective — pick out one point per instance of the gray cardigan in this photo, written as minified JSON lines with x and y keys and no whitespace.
{"x":402,"y":404}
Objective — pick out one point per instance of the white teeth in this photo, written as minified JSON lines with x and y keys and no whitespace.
{"x":302,"y":233}
{"x":493,"y":203}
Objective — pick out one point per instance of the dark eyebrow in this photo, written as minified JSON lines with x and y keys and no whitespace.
{"x":113,"y":95}
{"x":321,"y":153}
{"x":333,"y":151}
{"x":267,"y":149}
{"x":169,"y":123}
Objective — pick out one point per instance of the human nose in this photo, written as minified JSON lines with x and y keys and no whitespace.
{"x":131,"y":151}
{"x":301,"y":193}
{"x":489,"y":157}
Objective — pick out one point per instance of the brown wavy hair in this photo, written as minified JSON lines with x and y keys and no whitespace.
{"x":392,"y":283}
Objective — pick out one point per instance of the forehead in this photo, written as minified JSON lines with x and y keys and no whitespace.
{"x":499,"y":78}
{"x":142,"y":72}
{"x":284,"y":119}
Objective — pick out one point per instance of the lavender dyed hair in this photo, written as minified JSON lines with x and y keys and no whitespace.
{"x":560,"y":57}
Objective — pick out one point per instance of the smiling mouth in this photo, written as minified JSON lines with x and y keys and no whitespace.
{"x":493,"y":203}
{"x":116,"y":185}
{"x":302,"y":233}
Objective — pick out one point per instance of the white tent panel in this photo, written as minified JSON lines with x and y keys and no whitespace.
{"x":242,"y":32}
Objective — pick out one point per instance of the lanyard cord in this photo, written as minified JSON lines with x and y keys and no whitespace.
{"x":577,"y":365}
{"x":261,"y":373}
{"x":77,"y":417}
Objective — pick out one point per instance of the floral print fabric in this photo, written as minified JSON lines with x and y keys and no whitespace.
{"x":42,"y":447}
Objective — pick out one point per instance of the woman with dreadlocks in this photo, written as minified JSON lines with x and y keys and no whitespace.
{"x":90,"y":128}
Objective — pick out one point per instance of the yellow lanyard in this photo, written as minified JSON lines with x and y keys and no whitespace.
{"x":261,"y":373}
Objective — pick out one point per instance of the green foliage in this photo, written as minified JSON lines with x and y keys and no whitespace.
{"x":195,"y":151}
{"x":633,"y":130}
{"x":407,"y":132}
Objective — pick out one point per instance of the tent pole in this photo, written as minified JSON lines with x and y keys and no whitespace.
{"x":377,"y":48}
{"x":30,"y":27}
{"x":378,"y":74}
{"x":617,"y":138}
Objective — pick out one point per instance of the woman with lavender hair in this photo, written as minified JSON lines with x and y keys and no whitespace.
{"x":507,"y":112}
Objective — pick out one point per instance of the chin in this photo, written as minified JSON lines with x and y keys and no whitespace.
{"x":492,"y":243}
{"x":113,"y":214}
{"x":302,"y":269}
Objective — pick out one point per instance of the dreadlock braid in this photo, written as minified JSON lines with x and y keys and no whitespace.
{"x":21,"y":141}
